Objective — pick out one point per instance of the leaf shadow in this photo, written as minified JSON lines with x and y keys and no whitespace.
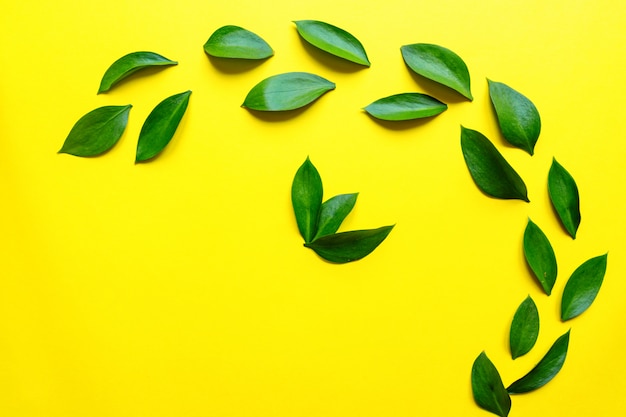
{"x":331,"y":61}
{"x":137,"y":75}
{"x":400,"y":125}
{"x":277,"y":116}
{"x":235,"y":66}
{"x":433,"y":88}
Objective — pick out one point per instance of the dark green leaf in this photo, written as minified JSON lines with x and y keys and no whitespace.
{"x":487,"y":387}
{"x":540,"y":256}
{"x":349,"y":246}
{"x":129,"y":64}
{"x":440,"y":65}
{"x":236,"y":42}
{"x":333,"y":213}
{"x":564,"y":196}
{"x":583,"y":287}
{"x":545,"y":370}
{"x":160,"y":126}
{"x":333,"y":40}
{"x":517,"y":116}
{"x":524,"y":328}
{"x":306,"y":198}
{"x":97,"y":131}
{"x":405,"y":106}
{"x":490,"y":171}
{"x":287,"y":91}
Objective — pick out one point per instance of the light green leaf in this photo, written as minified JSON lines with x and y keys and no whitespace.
{"x":129,"y":64}
{"x":540,"y":256}
{"x":583,"y":287}
{"x":306,"y":198}
{"x":333,"y":213}
{"x":405,"y":106}
{"x":236,"y":42}
{"x":564,"y":197}
{"x":487,"y":387}
{"x":524,"y":328}
{"x":349,"y":246}
{"x":333,"y":40}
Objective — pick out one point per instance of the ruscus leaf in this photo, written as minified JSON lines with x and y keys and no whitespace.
{"x":129,"y":64}
{"x":583,"y":287}
{"x":406,"y":106}
{"x":236,"y":42}
{"x":540,"y":256}
{"x":487,"y":387}
{"x":564,"y":196}
{"x":306,"y":198}
{"x":349,"y":246}
{"x":333,"y":40}
{"x":97,"y":131}
{"x":333,"y":213}
{"x":524,"y":328}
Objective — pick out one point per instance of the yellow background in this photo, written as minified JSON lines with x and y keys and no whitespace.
{"x":180,"y":287}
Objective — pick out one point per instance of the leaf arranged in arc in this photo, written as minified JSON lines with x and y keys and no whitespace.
{"x":582,"y":287}
{"x":524,"y":328}
{"x":236,"y":42}
{"x":440,"y":65}
{"x":490,"y":171}
{"x":405,"y":106}
{"x":129,"y":64}
{"x":333,"y":212}
{"x":540,"y":256}
{"x":306,"y":198}
{"x":545,"y":370}
{"x":564,"y":197}
{"x":287,"y":91}
{"x":333,"y":40}
{"x":97,"y":131}
{"x":349,"y":246}
{"x":487,"y":387}
{"x":518,"y":117}
{"x":160,"y":126}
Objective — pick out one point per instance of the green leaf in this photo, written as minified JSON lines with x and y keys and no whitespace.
{"x":349,"y":246}
{"x":440,"y":65}
{"x":517,"y":116}
{"x":540,"y":256}
{"x":236,"y":42}
{"x":487,"y":387}
{"x":129,"y":64}
{"x":564,"y":196}
{"x":545,"y":370}
{"x":405,"y":106}
{"x":333,"y":213}
{"x":97,"y":131}
{"x":583,"y":287}
{"x":333,"y":40}
{"x":490,"y":171}
{"x":524,"y":328}
{"x":287,"y":91}
{"x":160,"y":126}
{"x":306,"y":198}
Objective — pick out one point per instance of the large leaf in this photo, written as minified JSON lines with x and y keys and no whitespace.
{"x":540,"y":256}
{"x":524,"y":328}
{"x":583,"y":287}
{"x":129,"y":64}
{"x":349,"y":246}
{"x":236,"y":42}
{"x":333,"y":40}
{"x":564,"y":196}
{"x":306,"y":198}
{"x":333,"y":213}
{"x":405,"y":106}
{"x":489,"y":392}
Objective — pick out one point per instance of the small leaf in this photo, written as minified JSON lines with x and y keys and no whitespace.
{"x":287,"y":91}
{"x":540,"y":256}
{"x":405,"y":106}
{"x":545,"y":370}
{"x":306,"y":198}
{"x":517,"y":116}
{"x":333,"y":213}
{"x":349,"y":246}
{"x":490,"y":171}
{"x":333,"y":40}
{"x":440,"y":65}
{"x":160,"y":126}
{"x":564,"y":196}
{"x":236,"y":42}
{"x":129,"y":64}
{"x":583,"y":287}
{"x":97,"y":131}
{"x":488,"y":389}
{"x":524,"y":328}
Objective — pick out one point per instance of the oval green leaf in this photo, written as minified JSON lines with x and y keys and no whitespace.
{"x":129,"y":64}
{"x":97,"y":131}
{"x":287,"y":91}
{"x":333,"y":213}
{"x":518,"y":117}
{"x":406,"y":106}
{"x":487,"y":387}
{"x":236,"y":42}
{"x":564,"y":197}
{"x":545,"y":370}
{"x":349,"y":246}
{"x":333,"y":40}
{"x":490,"y":171}
{"x":583,"y":287}
{"x":160,"y":126}
{"x":524,"y":328}
{"x":540,"y":256}
{"x":306,"y":198}
{"x":440,"y":65}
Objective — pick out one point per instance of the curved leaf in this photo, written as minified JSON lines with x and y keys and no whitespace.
{"x":564,"y":196}
{"x":440,"y":65}
{"x":517,"y":116}
{"x":540,"y":256}
{"x":333,"y":40}
{"x":287,"y":91}
{"x":97,"y":131}
{"x":349,"y":246}
{"x":236,"y":42}
{"x":405,"y":106}
{"x":583,"y":287}
{"x":545,"y":370}
{"x":129,"y":64}
{"x":490,"y":171}
{"x":489,"y":392}
{"x":333,"y":213}
{"x":160,"y":126}
{"x":524,"y":328}
{"x":306,"y":198}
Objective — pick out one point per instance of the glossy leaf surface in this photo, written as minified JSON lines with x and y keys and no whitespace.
{"x":583,"y":287}
{"x":333,"y":40}
{"x":564,"y":196}
{"x":236,"y":42}
{"x":405,"y":106}
{"x":333,"y":212}
{"x":306,"y":198}
{"x":524,"y":328}
{"x":487,"y":387}
{"x":349,"y":246}
{"x":540,"y":256}
{"x":129,"y":64}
